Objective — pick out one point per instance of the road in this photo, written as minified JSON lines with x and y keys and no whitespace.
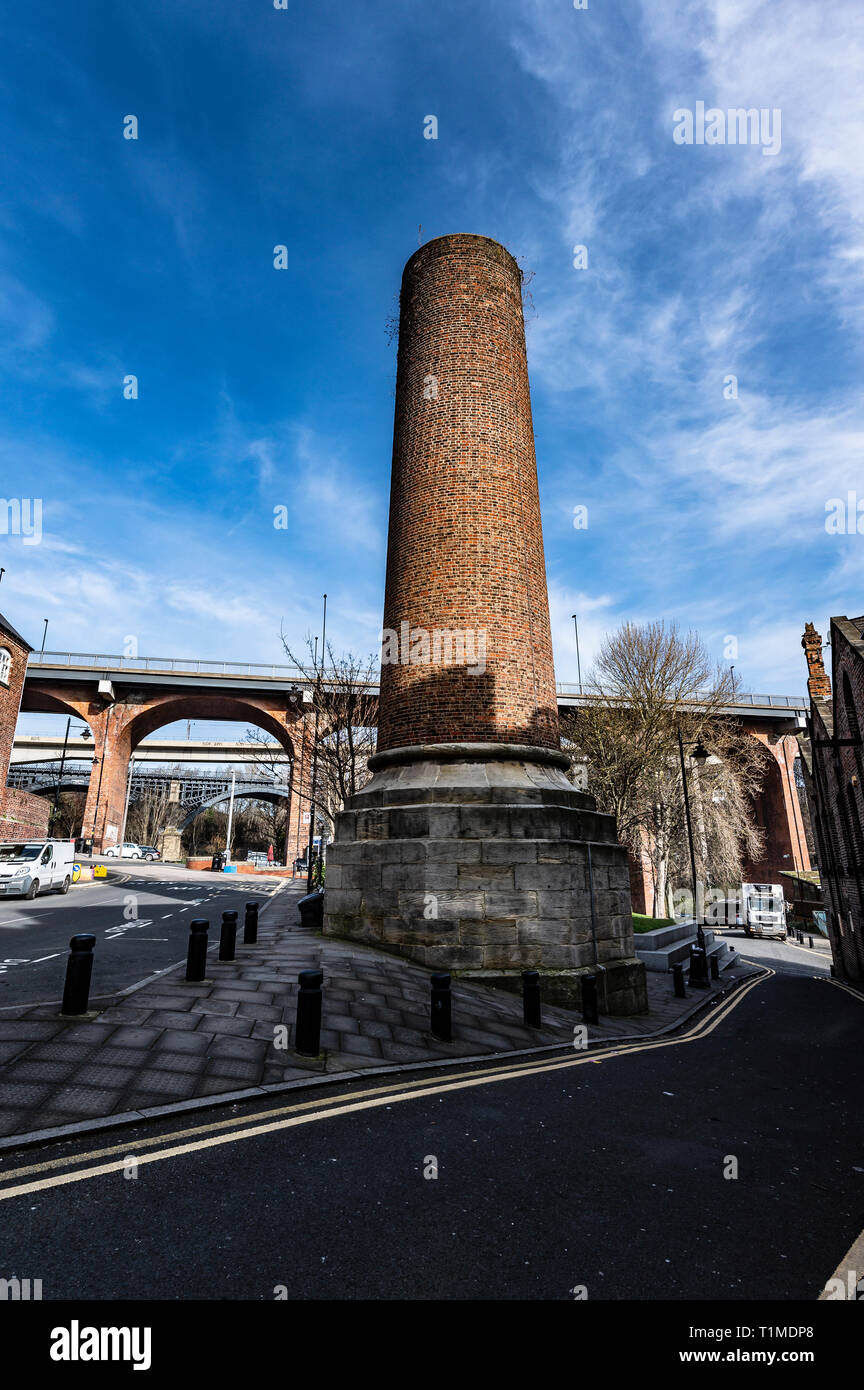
{"x":603,"y":1177}
{"x":141,"y":926}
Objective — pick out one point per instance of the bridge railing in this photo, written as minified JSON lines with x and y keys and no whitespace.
{"x":170,"y":665}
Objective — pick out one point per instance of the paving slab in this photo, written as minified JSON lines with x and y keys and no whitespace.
{"x":169,"y":1042}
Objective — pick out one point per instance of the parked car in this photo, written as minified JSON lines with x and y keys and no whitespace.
{"x":125,"y":851}
{"x":257,"y":857}
{"x":35,"y":866}
{"x":149,"y":852}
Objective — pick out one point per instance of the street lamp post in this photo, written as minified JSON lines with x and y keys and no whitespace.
{"x":578,"y":662}
{"x":53,"y":814}
{"x":126,"y":806}
{"x":85,"y":734}
{"x":311,"y":846}
{"x":230,"y":818}
{"x":700,"y":755}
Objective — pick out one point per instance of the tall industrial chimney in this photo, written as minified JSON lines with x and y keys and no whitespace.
{"x":469,"y":849}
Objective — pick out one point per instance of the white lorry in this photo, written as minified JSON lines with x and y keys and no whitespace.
{"x":28,"y":867}
{"x":763,"y":909}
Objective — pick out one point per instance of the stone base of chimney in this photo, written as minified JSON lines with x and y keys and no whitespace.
{"x":475,"y":858}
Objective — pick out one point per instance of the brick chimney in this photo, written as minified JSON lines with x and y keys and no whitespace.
{"x":818,"y":684}
{"x":465,"y":552}
{"x":469,"y":848}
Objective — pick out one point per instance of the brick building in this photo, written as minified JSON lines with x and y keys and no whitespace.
{"x":22,"y":815}
{"x":833,"y":761}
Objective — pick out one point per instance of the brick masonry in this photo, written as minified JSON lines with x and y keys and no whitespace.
{"x":834,"y":776}
{"x":21,"y":813}
{"x":465,"y":547}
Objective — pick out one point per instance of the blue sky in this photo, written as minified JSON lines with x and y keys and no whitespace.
{"x":260,"y":387}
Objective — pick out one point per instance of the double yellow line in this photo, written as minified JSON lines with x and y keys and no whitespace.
{"x":80,"y":1167}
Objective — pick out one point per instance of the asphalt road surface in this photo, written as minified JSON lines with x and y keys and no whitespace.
{"x":608,"y":1177}
{"x":141,"y":926}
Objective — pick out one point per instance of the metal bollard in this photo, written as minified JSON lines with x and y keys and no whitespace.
{"x":250,"y":925}
{"x":79,"y":968}
{"x":698,"y":969}
{"x":307,"y":1034}
{"x":810,"y":942}
{"x":531,"y":998}
{"x":196,"y":957}
{"x":442,"y":1013}
{"x":715,"y":967}
{"x":589,"y":999}
{"x":678,"y":977}
{"x":311,"y":909}
{"x":228,"y":936}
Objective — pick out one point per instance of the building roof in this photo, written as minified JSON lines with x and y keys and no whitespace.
{"x":10,"y":631}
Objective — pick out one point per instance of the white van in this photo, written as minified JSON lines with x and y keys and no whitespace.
{"x":763,"y":909}
{"x":28,"y":867}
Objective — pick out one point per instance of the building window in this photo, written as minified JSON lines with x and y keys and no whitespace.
{"x":5,"y":665}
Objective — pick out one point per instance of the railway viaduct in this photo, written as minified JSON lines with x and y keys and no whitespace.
{"x":124,"y":700}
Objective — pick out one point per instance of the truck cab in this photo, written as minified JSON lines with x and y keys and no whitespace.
{"x":29,"y":867}
{"x":763,"y":909}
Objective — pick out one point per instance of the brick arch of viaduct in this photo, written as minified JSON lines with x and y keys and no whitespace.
{"x":118,"y":727}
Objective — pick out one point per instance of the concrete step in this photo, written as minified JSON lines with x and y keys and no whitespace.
{"x":660,"y":951}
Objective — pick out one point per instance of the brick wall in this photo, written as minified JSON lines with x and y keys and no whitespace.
{"x":23,"y":816}
{"x":17,"y":815}
{"x":465,"y":548}
{"x":835,"y":787}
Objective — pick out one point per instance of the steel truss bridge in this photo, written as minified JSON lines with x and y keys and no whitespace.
{"x":194,"y":791}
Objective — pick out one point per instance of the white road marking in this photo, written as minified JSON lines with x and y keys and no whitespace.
{"x":41,"y":958}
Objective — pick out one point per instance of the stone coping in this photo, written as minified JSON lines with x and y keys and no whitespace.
{"x":468,"y":752}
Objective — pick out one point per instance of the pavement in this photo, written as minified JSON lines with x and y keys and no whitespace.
{"x":139,"y":915}
{"x":721,"y":1162}
{"x":166,"y":1044}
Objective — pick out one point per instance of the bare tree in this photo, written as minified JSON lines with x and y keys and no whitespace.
{"x":649,"y":684}
{"x":149,"y":812}
{"x":346,"y":709}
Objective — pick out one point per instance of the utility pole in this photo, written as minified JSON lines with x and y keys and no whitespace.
{"x":230,"y":818}
{"x":578,"y":662}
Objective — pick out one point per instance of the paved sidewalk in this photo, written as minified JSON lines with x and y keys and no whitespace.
{"x":172,"y":1042}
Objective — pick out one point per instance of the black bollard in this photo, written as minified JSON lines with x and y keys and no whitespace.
{"x":250,"y":925}
{"x":442,"y":1013}
{"x":79,"y":968}
{"x":196,"y":958}
{"x":531,"y":998}
{"x":810,"y":940}
{"x":589,"y":999}
{"x":311,"y":910}
{"x":715,"y":967}
{"x":678,"y":977}
{"x":698,"y":969}
{"x":228,"y":936}
{"x":307,"y":1034}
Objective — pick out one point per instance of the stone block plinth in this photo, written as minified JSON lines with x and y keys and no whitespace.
{"x":484,"y":858}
